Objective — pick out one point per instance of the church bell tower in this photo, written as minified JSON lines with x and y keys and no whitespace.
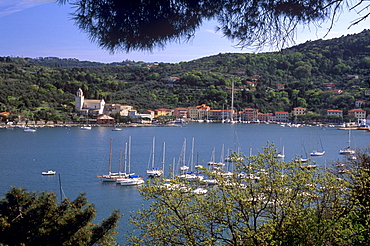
{"x":79,"y":99}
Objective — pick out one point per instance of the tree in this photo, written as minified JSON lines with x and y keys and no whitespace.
{"x":144,"y":25}
{"x":360,"y":178}
{"x":264,"y":202}
{"x":28,"y":218}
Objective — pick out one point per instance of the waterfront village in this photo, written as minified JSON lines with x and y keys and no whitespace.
{"x":97,"y":112}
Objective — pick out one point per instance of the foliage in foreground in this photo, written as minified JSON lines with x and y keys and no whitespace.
{"x":28,"y":218}
{"x":265,"y":202}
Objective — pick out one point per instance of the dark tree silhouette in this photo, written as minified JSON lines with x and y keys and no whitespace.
{"x":28,"y":218}
{"x":147,"y":24}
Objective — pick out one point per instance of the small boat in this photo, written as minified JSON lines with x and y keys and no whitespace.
{"x":200,"y":191}
{"x":117,"y":129}
{"x":50,"y":172}
{"x":132,"y":180}
{"x":317,"y":153}
{"x":309,"y":166}
{"x":28,"y":129}
{"x":348,"y":150}
{"x":88,"y":127}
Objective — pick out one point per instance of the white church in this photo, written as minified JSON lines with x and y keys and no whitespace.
{"x":88,"y":106}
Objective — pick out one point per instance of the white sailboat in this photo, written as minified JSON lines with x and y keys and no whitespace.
{"x":185,"y":173}
{"x":281,"y":154}
{"x":200,"y":191}
{"x":155,"y":171}
{"x":131,"y":179}
{"x":110,"y":177}
{"x":317,"y":152}
{"x":348,"y":150}
{"x":183,"y":167}
{"x":303,"y":152}
{"x":212,"y":162}
{"x":232,"y":102}
{"x":86,"y":127}
{"x":222,"y":158}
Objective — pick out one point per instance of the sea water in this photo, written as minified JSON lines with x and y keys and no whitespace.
{"x":79,"y":156}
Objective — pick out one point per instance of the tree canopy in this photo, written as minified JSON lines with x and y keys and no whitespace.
{"x":264,"y":201}
{"x":29,"y":218}
{"x":144,"y":25}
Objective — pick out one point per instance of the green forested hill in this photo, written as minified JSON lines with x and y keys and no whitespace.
{"x":308,"y":75}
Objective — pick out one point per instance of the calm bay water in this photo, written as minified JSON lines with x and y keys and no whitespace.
{"x":80,"y":155}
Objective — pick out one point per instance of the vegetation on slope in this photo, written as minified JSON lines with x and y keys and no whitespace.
{"x":46,"y":86}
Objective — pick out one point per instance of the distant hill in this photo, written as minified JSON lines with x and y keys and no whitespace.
{"x":318,"y":75}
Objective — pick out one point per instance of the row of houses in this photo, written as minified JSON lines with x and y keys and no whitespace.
{"x":200,"y":112}
{"x":204,"y":112}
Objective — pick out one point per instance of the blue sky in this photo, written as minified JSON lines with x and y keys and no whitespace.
{"x":41,"y":28}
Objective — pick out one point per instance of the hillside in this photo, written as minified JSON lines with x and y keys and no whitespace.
{"x":314,"y":75}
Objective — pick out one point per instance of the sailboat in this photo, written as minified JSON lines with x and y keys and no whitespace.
{"x":232,"y":103}
{"x":110,"y":177}
{"x":348,"y":150}
{"x":281,"y":154}
{"x":212,"y":162}
{"x":86,"y":126}
{"x":30,"y":129}
{"x":155,"y":171}
{"x":317,"y":152}
{"x":190,"y":175}
{"x":131,"y":179}
{"x":303,"y":151}
{"x":222,"y":158}
{"x":183,"y":167}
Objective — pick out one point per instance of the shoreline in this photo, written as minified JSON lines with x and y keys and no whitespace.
{"x":125,"y":125}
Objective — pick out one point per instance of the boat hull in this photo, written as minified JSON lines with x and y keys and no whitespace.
{"x":49,"y":173}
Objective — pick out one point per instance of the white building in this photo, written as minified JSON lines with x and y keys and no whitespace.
{"x":299,"y":111}
{"x":360,"y":114}
{"x":282,"y":116}
{"x":135,"y":114}
{"x":88,"y":106}
{"x":335,"y":112}
{"x":123,"y":110}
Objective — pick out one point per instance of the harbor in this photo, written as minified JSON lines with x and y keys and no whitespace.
{"x":79,"y":156}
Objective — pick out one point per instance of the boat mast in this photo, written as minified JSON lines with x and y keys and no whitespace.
{"x":163,"y":155}
{"x":173,"y":167}
{"x":129,"y":154}
{"x":192,"y":155}
{"x":153,"y":143}
{"x":349,"y":138}
{"x":125,"y":168}
{"x":183,"y":157}
{"x":110,"y":157}
{"x":120,"y":162}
